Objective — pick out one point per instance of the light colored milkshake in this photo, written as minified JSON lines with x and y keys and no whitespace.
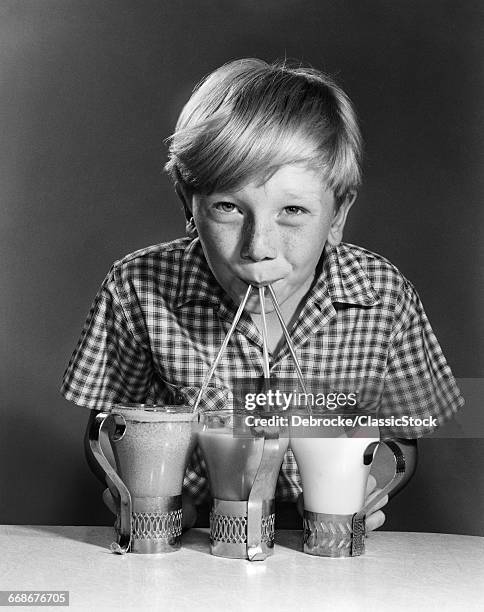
{"x":333,"y":473}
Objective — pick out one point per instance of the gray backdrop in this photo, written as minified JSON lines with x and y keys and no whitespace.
{"x":90,"y":89}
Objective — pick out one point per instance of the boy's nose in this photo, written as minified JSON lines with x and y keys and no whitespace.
{"x":258,"y":242}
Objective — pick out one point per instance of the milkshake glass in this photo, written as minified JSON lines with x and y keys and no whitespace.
{"x":243,"y":464}
{"x":151,"y":447}
{"x":334,"y":468}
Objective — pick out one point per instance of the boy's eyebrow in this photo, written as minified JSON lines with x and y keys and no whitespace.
{"x":293,"y":196}
{"x":217,"y":195}
{"x":299,"y":197}
{"x":285,"y":193}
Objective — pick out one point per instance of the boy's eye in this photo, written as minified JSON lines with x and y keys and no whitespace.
{"x":226,"y":207}
{"x":294,"y":210}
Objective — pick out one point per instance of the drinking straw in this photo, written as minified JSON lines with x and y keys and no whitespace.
{"x":288,"y":338}
{"x":265,"y":363}
{"x":238,"y":314}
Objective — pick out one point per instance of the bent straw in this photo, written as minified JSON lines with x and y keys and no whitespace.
{"x":238,"y":314}
{"x":288,"y":338}
{"x":265,"y":363}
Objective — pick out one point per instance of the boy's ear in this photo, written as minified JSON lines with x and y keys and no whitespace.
{"x":335,"y":235}
{"x":185,"y":199}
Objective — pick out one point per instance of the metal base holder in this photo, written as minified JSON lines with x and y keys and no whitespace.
{"x":333,"y":535}
{"x":156,"y":524}
{"x":228,"y":528}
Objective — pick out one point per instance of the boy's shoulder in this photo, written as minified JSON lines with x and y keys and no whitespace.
{"x":383,"y":275}
{"x":163,"y":259}
{"x":167,"y":270}
{"x":156,"y":253}
{"x":155,"y":266}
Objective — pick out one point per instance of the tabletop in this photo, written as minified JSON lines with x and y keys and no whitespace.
{"x":399,"y":571}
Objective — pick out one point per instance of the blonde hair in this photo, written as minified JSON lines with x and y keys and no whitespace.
{"x":248,"y":118}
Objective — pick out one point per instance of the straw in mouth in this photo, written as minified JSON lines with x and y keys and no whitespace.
{"x":266,"y":364}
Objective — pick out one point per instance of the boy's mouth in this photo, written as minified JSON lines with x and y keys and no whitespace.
{"x":259,"y":283}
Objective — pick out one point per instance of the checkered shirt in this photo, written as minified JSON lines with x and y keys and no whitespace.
{"x":160,"y":317}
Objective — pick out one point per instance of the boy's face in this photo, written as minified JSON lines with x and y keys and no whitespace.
{"x":271,"y":233}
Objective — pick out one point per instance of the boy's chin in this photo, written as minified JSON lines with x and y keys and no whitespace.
{"x":253,"y":305}
{"x":238,"y":290}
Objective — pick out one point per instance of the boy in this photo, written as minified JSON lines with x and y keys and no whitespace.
{"x":266,"y":161}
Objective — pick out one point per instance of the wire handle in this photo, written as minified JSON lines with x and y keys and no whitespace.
{"x":123,"y":544}
{"x":359,"y":518}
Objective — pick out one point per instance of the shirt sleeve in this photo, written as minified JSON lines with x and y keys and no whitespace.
{"x":420,"y":392}
{"x":109,"y":364}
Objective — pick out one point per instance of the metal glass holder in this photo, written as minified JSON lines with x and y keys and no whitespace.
{"x":156,"y":524}
{"x":229,"y":529}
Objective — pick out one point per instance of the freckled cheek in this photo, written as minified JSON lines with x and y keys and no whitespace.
{"x":220,"y":246}
{"x":303,"y":244}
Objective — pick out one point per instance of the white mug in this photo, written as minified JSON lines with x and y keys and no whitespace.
{"x":334,"y":470}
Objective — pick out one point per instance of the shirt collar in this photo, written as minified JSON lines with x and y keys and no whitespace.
{"x":196,"y":282}
{"x":342,"y":278}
